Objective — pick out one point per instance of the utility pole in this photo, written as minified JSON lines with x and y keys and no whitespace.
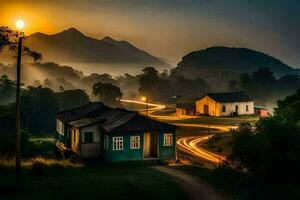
{"x":147,"y":106}
{"x":18,"y":133}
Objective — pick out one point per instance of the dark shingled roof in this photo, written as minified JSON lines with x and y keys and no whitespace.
{"x":229,"y":97}
{"x":186,"y":101}
{"x":111,"y":119}
{"x":88,"y":110}
{"x":142,"y":123}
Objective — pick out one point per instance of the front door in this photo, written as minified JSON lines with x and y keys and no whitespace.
{"x":150,"y":145}
{"x":236,"y":109}
{"x":147,"y":145}
{"x":205,"y":109}
{"x":75,"y":140}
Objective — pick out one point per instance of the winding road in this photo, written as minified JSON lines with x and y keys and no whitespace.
{"x":191,"y":145}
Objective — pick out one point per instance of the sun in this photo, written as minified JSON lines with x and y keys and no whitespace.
{"x":20,"y":24}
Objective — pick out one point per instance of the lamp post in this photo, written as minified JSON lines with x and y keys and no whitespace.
{"x":19,"y":25}
{"x":146,"y":98}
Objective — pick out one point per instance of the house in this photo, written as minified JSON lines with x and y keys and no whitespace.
{"x":97,"y":131}
{"x":225,"y":104}
{"x":261,"y":111}
{"x":185,"y":105}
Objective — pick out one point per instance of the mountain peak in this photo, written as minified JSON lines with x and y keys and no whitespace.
{"x":108,"y":39}
{"x":72,"y":31}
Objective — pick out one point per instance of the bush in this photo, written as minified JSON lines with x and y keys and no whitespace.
{"x":7,"y":143}
{"x":271,"y":151}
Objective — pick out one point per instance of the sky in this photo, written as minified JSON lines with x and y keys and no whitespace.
{"x":170,"y":28}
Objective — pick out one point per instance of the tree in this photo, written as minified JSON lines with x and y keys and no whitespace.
{"x":9,"y":38}
{"x":71,"y":98}
{"x":150,"y":83}
{"x":38,"y":107}
{"x":233,"y":85}
{"x":289,"y":108}
{"x":271,"y":150}
{"x":13,"y":40}
{"x":7,"y":90}
{"x":107,"y":93}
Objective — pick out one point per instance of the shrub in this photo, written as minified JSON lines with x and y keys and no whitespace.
{"x":271,"y":151}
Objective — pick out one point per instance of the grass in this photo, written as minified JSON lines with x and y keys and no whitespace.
{"x":52,"y":179}
{"x":242,"y":186}
{"x":193,"y":131}
{"x":219,"y":143}
{"x":218,"y":120}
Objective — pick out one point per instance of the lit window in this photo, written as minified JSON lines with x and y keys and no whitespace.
{"x":168,"y":139}
{"x":88,"y":137}
{"x":60,"y":127}
{"x":134,"y":142}
{"x":223,"y":108}
{"x":105,"y":141}
{"x":117,"y":143}
{"x":247,"y":108}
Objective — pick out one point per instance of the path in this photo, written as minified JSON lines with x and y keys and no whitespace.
{"x":195,"y":188}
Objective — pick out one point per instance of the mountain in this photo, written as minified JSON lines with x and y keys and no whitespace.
{"x":217,"y":64}
{"x":72,"y":46}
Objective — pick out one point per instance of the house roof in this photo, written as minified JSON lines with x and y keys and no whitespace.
{"x":87,"y":110}
{"x":142,"y":123}
{"x":229,"y":97}
{"x":114,"y":120}
{"x":186,"y":101}
{"x":260,"y":107}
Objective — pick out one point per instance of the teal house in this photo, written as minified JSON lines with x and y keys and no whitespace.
{"x":113,"y":134}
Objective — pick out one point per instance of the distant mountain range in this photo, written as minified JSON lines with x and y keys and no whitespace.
{"x":72,"y":46}
{"x":217,"y":64}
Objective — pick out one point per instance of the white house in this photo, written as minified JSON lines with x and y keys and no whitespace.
{"x":225,"y":104}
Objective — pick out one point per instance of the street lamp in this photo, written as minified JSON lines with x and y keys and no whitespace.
{"x":146,"y":99}
{"x":19,"y":25}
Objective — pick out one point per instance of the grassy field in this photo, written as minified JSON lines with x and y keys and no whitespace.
{"x":219,"y":143}
{"x":241,"y":186}
{"x":93,"y":180}
{"x":217,"y":120}
{"x":193,"y":131}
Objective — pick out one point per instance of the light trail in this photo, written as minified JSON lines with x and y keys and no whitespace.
{"x":156,"y":106}
{"x":189,"y":144}
{"x":220,"y":128}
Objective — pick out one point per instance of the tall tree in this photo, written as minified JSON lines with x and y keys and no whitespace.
{"x":71,"y":98}
{"x":9,"y":38}
{"x":13,"y":40}
{"x":107,"y":93}
{"x":7,"y":90}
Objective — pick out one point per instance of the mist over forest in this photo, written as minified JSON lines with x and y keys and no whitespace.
{"x":72,"y":60}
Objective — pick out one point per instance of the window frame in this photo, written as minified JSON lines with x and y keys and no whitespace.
{"x":60,"y":127}
{"x":236,"y":108}
{"x":223,"y":108}
{"x":90,"y":137}
{"x":106,"y":141}
{"x":135,"y":142}
{"x":247,"y":108}
{"x":168,"y":139}
{"x":118,"y":143}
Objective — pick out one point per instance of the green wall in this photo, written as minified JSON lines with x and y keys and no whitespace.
{"x":127,"y":154}
{"x":167,"y":153}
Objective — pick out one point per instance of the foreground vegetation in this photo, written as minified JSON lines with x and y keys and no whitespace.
{"x":52,"y":179}
{"x":242,"y":186}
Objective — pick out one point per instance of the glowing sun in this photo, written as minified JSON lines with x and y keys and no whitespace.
{"x":20,"y":24}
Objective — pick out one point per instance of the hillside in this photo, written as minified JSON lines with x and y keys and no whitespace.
{"x":223,"y":63}
{"x":72,"y":46}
